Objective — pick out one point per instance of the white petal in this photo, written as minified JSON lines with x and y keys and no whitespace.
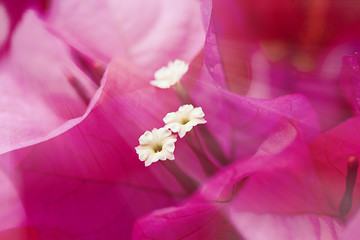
{"x":186,"y":108}
{"x":170,"y":75}
{"x":169,"y":117}
{"x":146,"y":138}
{"x":182,"y":132}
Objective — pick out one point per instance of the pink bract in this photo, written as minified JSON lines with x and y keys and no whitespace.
{"x":89,"y":166}
{"x":161,"y":31}
{"x":267,"y":50}
{"x":276,"y":194}
{"x":36,"y":95}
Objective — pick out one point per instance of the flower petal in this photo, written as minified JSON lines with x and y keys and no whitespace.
{"x":331,"y":152}
{"x":351,"y":81}
{"x":269,"y":188}
{"x":85,"y":181}
{"x":36,"y":97}
{"x":162,"y":30}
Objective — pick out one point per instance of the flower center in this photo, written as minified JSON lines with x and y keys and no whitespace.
{"x":184,"y":121}
{"x":157,"y":148}
{"x":159,"y":144}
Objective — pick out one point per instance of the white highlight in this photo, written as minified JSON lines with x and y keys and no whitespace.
{"x":165,"y":77}
{"x":184,"y":119}
{"x":159,"y":144}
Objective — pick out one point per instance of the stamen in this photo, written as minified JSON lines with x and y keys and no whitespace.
{"x":168,"y":76}
{"x":212,"y":145}
{"x":182,"y":94}
{"x":157,"y":148}
{"x":186,"y":182}
{"x":352,"y":171}
{"x":207,"y":165}
{"x":184,"y":119}
{"x":159,"y":144}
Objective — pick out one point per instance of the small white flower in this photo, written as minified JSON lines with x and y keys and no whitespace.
{"x":159,"y":144}
{"x":184,"y":119}
{"x":165,"y":77}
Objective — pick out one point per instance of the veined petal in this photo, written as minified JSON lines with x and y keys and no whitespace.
{"x":89,"y":167}
{"x":269,"y":189}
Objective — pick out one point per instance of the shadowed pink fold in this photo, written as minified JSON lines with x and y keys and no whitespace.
{"x":38,"y":71}
{"x":162,"y":30}
{"x":267,"y":50}
{"x":237,"y":120}
{"x":284,"y":199}
{"x":331,"y":152}
{"x":320,"y":85}
{"x":273,"y":195}
{"x":36,"y":95}
{"x":203,"y":220}
{"x":11,"y":12}
{"x":86,"y":181}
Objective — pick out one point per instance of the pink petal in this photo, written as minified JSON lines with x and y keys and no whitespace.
{"x":162,"y":30}
{"x":272,"y":226}
{"x":11,"y":12}
{"x":12,"y":214}
{"x":270,"y":188}
{"x":228,"y":38}
{"x":352,"y":230}
{"x":86,"y":181}
{"x":297,"y":42}
{"x":240,"y":123}
{"x":351,"y":80}
{"x":88,"y":167}
{"x":320,"y":85}
{"x":283,"y":199}
{"x":331,"y":152}
{"x":189,"y":221}
{"x":36,"y":96}
{"x":20,"y":233}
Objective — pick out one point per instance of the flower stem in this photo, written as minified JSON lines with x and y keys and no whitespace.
{"x":182,"y":93}
{"x":194,"y":142}
{"x":212,"y":145}
{"x":187,"y":183}
{"x":210,"y":141}
{"x":352,"y":171}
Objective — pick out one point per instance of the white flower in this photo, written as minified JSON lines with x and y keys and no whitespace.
{"x":159,"y":144}
{"x":165,"y":77}
{"x":184,"y":119}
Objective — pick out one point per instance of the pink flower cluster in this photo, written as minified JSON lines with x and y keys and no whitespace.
{"x":276,"y":158}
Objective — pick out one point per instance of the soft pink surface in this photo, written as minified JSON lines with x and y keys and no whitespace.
{"x":265,"y":197}
{"x":350,"y":77}
{"x":36,"y":96}
{"x":86,"y":181}
{"x":352,"y":230}
{"x":148,"y":33}
{"x":267,"y":50}
{"x":331,"y":151}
